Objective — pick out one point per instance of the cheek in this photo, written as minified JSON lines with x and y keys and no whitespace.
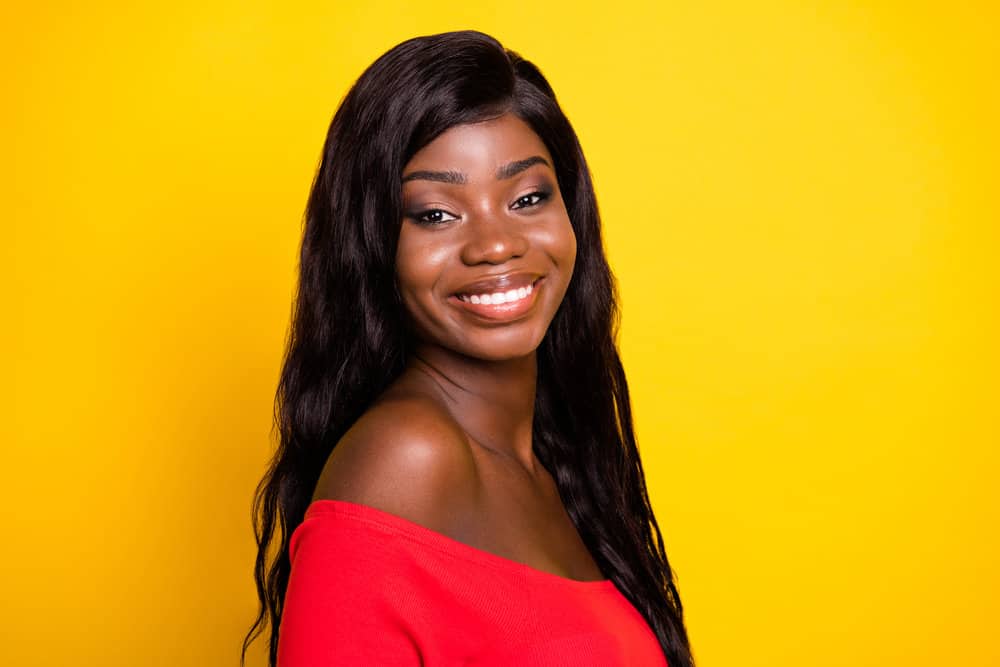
{"x":562,"y":244}
{"x":419,"y":263}
{"x":408,"y":270}
{"x":570,"y":242}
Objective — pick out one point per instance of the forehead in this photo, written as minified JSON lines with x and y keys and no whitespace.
{"x":479,"y":148}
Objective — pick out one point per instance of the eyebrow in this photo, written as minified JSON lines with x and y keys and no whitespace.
{"x":512,"y":169}
{"x":453,"y":177}
{"x":509,"y":170}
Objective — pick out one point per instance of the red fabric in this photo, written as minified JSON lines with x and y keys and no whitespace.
{"x":372,"y":588}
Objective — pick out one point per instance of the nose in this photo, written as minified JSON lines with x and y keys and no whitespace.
{"x":493,"y":239}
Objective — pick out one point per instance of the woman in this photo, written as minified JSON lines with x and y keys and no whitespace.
{"x":457,"y":479}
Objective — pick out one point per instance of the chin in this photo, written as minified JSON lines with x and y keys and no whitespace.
{"x":503,"y":356}
{"x":501,"y":351}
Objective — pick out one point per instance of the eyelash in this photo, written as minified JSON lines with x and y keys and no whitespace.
{"x":542,"y":195}
{"x":419,"y":217}
{"x":538,"y":196}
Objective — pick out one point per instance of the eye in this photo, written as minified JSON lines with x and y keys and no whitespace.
{"x":432,"y":216}
{"x":532,"y":199}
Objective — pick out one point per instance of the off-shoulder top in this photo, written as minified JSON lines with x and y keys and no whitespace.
{"x":372,"y":588}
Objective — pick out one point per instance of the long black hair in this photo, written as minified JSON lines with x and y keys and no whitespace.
{"x":347,"y":340}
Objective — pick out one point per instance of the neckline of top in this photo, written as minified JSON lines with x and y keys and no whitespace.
{"x":447,"y":544}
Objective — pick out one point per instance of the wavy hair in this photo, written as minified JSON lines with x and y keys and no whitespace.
{"x":347,"y":340}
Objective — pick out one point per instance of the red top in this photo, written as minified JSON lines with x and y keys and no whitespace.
{"x":371,"y":588}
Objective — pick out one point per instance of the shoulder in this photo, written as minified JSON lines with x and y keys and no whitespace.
{"x":405,"y":456}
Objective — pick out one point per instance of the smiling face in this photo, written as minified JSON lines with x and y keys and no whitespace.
{"x":486,"y":249}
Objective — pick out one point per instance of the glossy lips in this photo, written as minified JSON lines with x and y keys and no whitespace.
{"x":504,"y":298}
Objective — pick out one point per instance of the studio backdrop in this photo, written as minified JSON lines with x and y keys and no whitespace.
{"x":799,"y":203}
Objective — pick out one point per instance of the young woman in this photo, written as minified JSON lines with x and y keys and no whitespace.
{"x":457,"y":479}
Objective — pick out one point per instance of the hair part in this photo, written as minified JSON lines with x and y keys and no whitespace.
{"x":347,"y":339}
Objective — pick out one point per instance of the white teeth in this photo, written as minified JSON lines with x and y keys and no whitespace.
{"x":498,"y":297}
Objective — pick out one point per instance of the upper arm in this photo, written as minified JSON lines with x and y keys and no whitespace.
{"x":347,"y":598}
{"x":405,"y":457}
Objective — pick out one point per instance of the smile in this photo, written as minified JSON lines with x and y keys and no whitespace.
{"x":500,"y":305}
{"x":498,"y":297}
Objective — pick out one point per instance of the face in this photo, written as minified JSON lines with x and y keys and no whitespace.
{"x":486,"y":249}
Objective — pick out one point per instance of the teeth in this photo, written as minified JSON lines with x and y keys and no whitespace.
{"x":498,"y":297}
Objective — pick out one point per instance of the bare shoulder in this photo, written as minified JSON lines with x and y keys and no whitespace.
{"x":405,"y":456}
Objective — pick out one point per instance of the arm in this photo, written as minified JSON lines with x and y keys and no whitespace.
{"x":348,"y":599}
{"x":340,"y":602}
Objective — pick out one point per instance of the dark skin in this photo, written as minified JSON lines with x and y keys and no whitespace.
{"x":449,"y":445}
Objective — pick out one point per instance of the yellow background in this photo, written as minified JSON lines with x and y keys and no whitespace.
{"x":799,"y":201}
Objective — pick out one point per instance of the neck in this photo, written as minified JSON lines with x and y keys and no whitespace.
{"x":492,"y":401}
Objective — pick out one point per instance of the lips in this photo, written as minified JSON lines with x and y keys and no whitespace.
{"x":500,"y":307}
{"x":501,"y":283}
